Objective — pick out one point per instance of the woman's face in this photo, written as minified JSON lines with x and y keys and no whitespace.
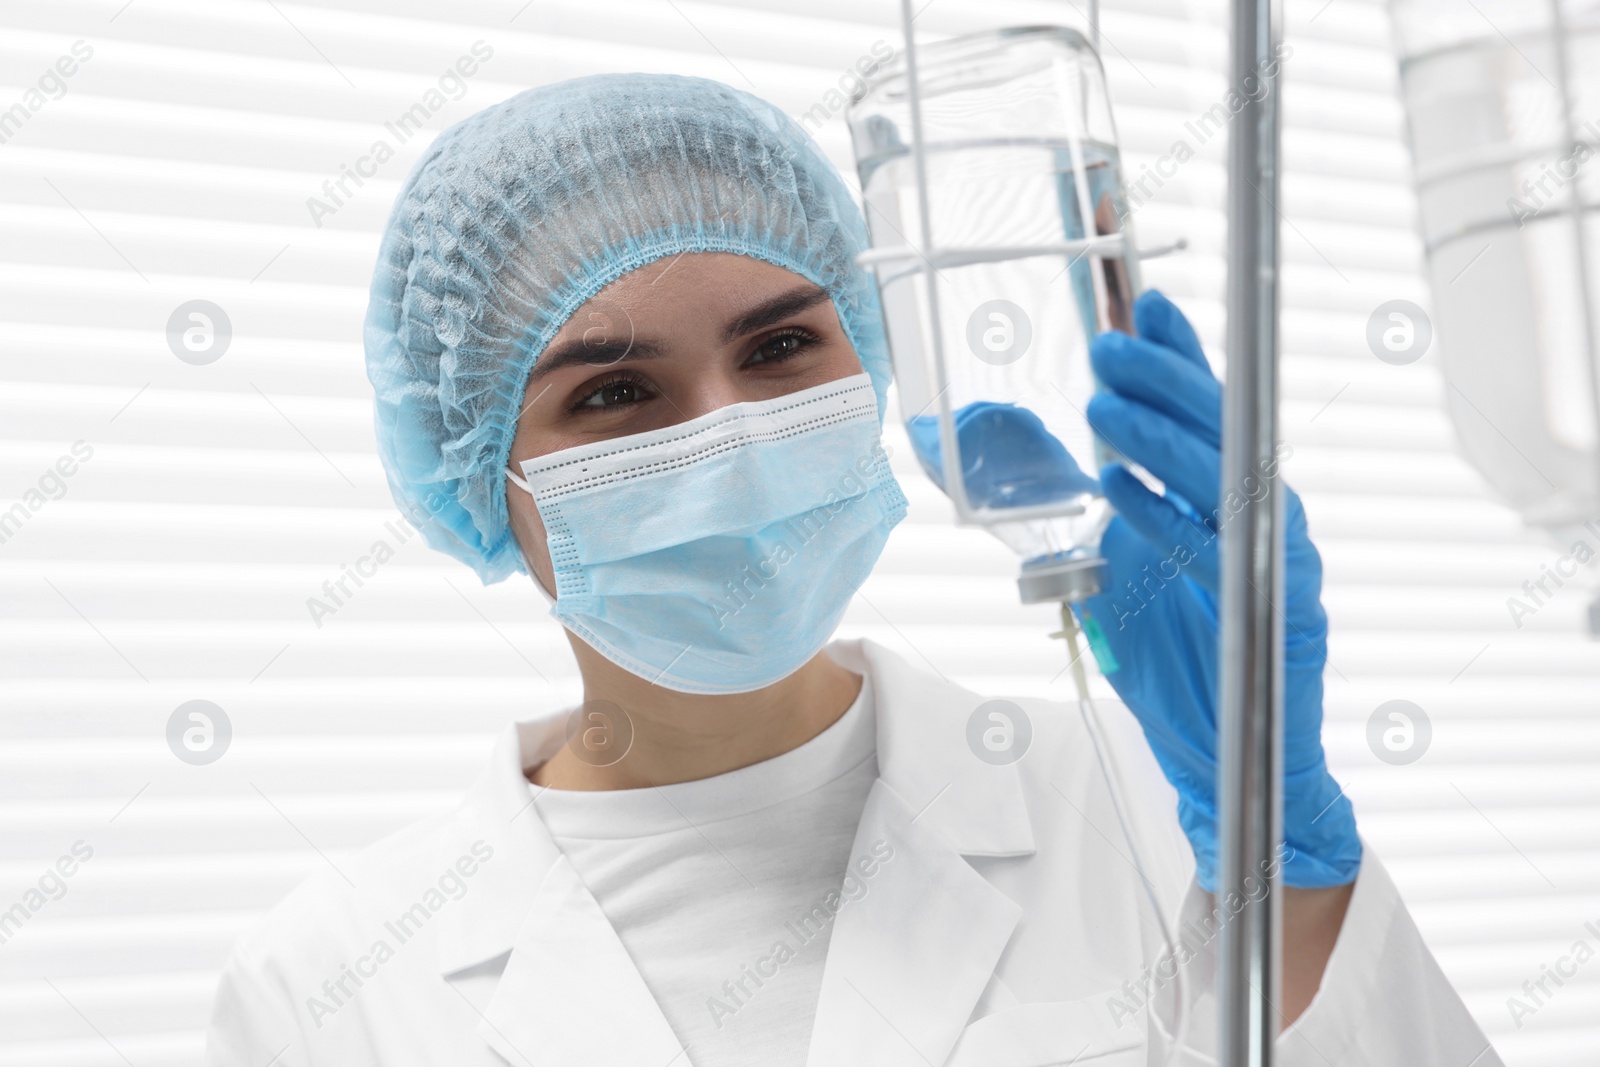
{"x":667,"y":343}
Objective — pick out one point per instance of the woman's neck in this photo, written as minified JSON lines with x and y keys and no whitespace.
{"x":682,"y":737}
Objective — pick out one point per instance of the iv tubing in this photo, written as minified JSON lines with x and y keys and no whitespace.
{"x":1091,"y":723}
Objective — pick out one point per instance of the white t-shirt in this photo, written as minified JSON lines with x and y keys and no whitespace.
{"x":724,"y":890}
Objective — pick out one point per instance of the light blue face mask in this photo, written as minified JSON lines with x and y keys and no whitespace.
{"x":718,"y":555}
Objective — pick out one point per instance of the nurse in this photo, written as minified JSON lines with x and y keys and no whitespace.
{"x":619,"y":343}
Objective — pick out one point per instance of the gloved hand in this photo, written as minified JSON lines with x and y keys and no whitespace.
{"x":1154,"y":628}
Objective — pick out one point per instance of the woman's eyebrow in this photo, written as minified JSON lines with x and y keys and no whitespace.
{"x":581,"y":352}
{"x":774,"y":310}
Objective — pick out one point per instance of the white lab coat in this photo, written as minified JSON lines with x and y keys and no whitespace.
{"x":1008,"y":929}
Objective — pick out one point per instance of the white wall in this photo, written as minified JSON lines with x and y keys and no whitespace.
{"x":218,"y":498}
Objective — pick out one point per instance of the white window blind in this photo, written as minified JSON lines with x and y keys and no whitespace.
{"x":168,"y":526}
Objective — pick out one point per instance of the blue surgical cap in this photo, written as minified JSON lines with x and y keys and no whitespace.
{"x":520,"y":213}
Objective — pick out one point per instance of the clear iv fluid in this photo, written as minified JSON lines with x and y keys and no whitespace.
{"x":1021,"y":432}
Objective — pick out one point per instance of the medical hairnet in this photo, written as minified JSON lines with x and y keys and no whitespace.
{"x":520,"y":213}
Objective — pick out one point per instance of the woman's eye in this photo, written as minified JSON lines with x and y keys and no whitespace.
{"x":780,"y":347}
{"x":614,"y":393}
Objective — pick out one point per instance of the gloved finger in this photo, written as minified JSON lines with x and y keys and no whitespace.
{"x":1180,"y":541}
{"x":1162,"y":378}
{"x":1185,"y":463}
{"x":1158,"y":319}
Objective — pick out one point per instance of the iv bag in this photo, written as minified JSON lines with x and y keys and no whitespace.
{"x":996,"y":271}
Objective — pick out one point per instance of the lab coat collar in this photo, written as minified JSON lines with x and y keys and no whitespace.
{"x":498,"y":809}
{"x":924,"y":756}
{"x":569,"y":981}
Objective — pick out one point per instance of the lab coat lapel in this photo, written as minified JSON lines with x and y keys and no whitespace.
{"x":908,"y":960}
{"x":567,"y":992}
{"x":570,"y":993}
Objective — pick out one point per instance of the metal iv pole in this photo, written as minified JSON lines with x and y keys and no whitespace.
{"x":1250,"y":742}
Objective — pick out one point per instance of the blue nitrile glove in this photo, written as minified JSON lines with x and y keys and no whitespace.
{"x":1157,"y":618}
{"x":1011,"y":458}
